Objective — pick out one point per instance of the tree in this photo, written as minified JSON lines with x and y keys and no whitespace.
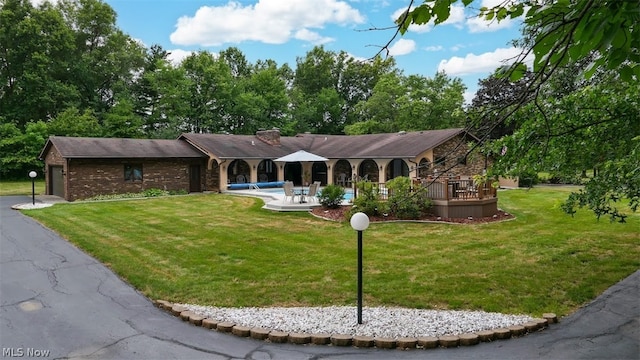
{"x":594,"y":127}
{"x":19,"y":150}
{"x":210,"y":93}
{"x":71,"y":122}
{"x":104,"y":59}
{"x":411,"y":103}
{"x":340,"y":82}
{"x":35,"y":44}
{"x":590,"y":37}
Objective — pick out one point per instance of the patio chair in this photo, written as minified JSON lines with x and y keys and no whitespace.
{"x":342,"y":179}
{"x":288,"y":191}
{"x":263,"y":178}
{"x":313,"y":190}
{"x":240,"y":179}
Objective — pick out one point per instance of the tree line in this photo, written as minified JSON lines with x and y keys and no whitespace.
{"x":68,"y":70}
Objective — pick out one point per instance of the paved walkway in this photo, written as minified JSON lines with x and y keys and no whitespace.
{"x":56,"y":299}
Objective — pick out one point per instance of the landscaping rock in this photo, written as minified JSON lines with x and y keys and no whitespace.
{"x":363,"y":341}
{"x":428,"y":342}
{"x":320,"y":339}
{"x":385,"y":343}
{"x":469,"y":339}
{"x":209,"y":323}
{"x":448,"y":341}
{"x":225,"y":326}
{"x":517,"y":330}
{"x":278,"y":337}
{"x":486,"y":335}
{"x":550,"y":317}
{"x":299,"y":338}
{"x":502,"y":333}
{"x":341,"y":340}
{"x":259,"y":333}
{"x":406,"y":343}
{"x":242,"y":331}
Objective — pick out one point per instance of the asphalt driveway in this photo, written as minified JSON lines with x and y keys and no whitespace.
{"x":58,"y":302}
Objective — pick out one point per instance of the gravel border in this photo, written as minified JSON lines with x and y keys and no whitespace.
{"x":383,"y":327}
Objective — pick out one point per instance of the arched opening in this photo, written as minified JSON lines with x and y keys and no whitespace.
{"x":424,"y":168}
{"x":395,"y":168}
{"x":342,"y":173}
{"x":319,"y":172}
{"x":267,"y":171}
{"x":239,"y":172}
{"x":368,"y":170}
{"x":293,"y":172}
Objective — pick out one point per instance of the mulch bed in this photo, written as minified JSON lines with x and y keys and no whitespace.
{"x":340,"y":213}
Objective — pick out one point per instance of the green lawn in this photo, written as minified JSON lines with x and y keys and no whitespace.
{"x":224,"y":250}
{"x":22,"y":187}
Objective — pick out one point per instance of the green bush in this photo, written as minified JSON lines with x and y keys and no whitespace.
{"x":331,"y":196}
{"x":405,"y":203}
{"x":154,"y":193}
{"x":368,"y":200}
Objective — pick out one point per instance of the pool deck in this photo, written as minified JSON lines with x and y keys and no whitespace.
{"x":274,"y":201}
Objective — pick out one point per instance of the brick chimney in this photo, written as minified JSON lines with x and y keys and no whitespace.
{"x":271,"y":137}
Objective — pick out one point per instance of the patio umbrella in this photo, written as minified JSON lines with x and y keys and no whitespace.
{"x":301,"y":156}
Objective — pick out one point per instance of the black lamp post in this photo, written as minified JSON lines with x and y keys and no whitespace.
{"x":32,"y":175}
{"x":360,"y":222}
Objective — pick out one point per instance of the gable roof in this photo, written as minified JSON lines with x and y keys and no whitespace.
{"x":389,"y":145}
{"x":115,"y":148}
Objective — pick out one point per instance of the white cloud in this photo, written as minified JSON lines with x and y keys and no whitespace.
{"x":268,"y":21}
{"x":434,"y":48}
{"x":312,"y":37}
{"x":402,"y":47}
{"x":177,"y":55}
{"x":483,"y":63}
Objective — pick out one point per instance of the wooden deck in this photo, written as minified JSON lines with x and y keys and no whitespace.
{"x":456,"y":198}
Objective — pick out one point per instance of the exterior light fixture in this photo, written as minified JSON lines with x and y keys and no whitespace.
{"x":360,"y":222}
{"x":32,"y":175}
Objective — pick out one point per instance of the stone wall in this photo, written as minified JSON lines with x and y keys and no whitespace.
{"x":90,"y":177}
{"x":453,"y":152}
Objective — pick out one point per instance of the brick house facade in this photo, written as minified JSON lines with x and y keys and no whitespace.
{"x":79,"y":168}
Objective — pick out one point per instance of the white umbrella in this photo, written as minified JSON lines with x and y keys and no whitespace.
{"x":301,"y":156}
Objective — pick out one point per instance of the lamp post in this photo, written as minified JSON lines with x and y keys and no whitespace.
{"x":32,"y":175}
{"x":360,"y":222}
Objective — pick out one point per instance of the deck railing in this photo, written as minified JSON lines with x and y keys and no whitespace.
{"x":457,"y":189}
{"x":446,"y":189}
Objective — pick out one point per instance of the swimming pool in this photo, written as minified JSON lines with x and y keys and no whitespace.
{"x":348,"y":193}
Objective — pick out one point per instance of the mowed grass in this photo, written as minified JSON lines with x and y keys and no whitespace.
{"x":226,"y":251}
{"x":21,"y":187}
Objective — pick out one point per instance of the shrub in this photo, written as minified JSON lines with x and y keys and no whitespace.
{"x":154,"y":193}
{"x":331,"y":196}
{"x":405,"y":203}
{"x":368,"y":200}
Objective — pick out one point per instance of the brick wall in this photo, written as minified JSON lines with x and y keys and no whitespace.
{"x":90,"y":177}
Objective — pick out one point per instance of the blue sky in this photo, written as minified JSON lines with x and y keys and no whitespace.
{"x":283,"y":30}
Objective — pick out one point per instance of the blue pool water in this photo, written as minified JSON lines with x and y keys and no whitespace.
{"x":348,"y":193}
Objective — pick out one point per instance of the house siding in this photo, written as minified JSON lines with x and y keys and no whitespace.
{"x":86,"y":178}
